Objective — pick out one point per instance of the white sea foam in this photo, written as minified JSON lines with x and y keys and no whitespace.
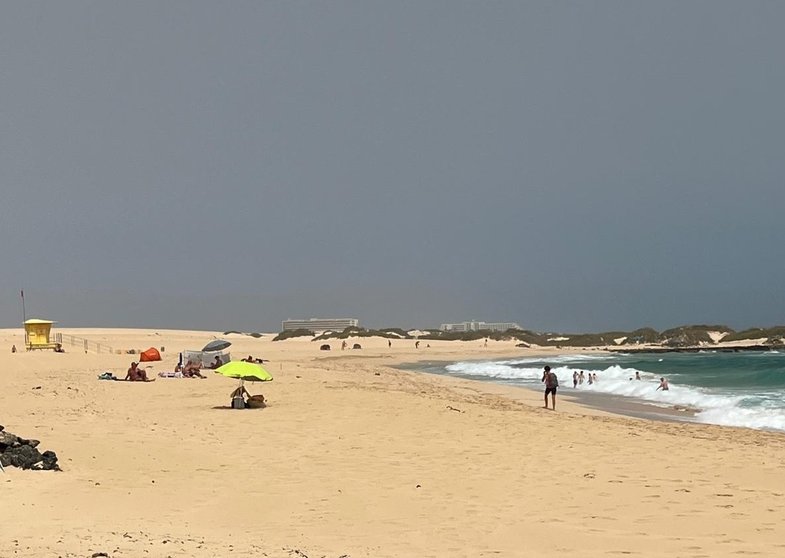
{"x":767,"y":411}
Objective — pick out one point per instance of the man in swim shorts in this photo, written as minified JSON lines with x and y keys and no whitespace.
{"x":551,"y":383}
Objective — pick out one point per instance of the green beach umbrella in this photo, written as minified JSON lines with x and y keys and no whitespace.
{"x":247,"y":371}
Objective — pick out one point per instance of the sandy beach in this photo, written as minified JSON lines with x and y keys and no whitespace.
{"x":356,"y":458}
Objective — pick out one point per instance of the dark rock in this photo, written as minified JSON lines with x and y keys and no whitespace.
{"x":7,"y":439}
{"x":23,"y":457}
{"x":16,"y":451}
{"x":324,"y":347}
{"x":2,"y":427}
{"x":49,"y":461}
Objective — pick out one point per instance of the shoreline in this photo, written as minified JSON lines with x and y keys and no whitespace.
{"x":605,"y":402}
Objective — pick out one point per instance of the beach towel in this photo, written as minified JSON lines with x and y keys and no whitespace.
{"x":106,"y":376}
{"x":170,"y":374}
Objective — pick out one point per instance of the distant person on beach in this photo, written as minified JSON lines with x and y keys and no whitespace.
{"x":389,"y":344}
{"x":637,"y":375}
{"x":486,"y":341}
{"x":416,"y":344}
{"x":581,"y":378}
{"x":663,"y":385}
{"x":551,"y":383}
{"x":575,"y":379}
{"x":343,"y":345}
{"x":136,"y":374}
{"x":13,"y":348}
{"x":217,"y":363}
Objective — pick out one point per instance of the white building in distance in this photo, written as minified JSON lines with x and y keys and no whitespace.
{"x":318,"y":325}
{"x":477,"y":326}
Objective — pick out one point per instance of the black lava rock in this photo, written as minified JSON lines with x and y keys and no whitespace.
{"x":49,"y":461}
{"x":16,"y":451}
{"x":26,"y":442}
{"x":23,"y":457}
{"x":7,"y":440}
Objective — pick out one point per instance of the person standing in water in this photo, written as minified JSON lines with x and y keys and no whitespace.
{"x":575,"y":379}
{"x":663,"y":385}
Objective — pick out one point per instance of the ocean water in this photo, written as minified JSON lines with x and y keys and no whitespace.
{"x":745,"y":389}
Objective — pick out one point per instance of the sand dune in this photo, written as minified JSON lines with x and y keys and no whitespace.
{"x":355,"y":458}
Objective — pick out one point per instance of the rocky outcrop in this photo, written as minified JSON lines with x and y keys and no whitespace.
{"x":16,"y":451}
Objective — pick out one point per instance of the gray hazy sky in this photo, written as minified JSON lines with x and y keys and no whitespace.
{"x":571,"y":166}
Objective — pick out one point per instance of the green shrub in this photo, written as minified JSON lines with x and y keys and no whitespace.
{"x":289,"y":334}
{"x":351,"y":331}
{"x":776,"y":332}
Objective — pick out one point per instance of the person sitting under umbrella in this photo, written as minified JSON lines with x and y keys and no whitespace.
{"x":249,"y":401}
{"x":240,"y":393}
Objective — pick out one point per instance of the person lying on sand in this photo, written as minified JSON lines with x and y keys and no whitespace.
{"x":254,"y":360}
{"x":136,"y":374}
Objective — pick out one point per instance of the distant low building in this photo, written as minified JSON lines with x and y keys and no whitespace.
{"x":318,"y":325}
{"x":478,"y":326}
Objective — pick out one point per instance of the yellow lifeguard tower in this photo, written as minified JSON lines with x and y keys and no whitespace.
{"x":37,"y":334}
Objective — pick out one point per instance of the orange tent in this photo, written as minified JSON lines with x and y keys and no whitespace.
{"x":150,"y":355}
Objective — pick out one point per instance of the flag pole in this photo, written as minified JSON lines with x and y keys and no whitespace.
{"x":24,"y":316}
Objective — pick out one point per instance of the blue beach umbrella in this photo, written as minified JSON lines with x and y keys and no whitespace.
{"x":217,"y":345}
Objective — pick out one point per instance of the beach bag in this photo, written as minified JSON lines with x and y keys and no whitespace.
{"x":238,"y":402}
{"x":553,"y":380}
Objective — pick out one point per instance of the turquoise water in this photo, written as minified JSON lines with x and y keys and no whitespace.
{"x":736,"y":389}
